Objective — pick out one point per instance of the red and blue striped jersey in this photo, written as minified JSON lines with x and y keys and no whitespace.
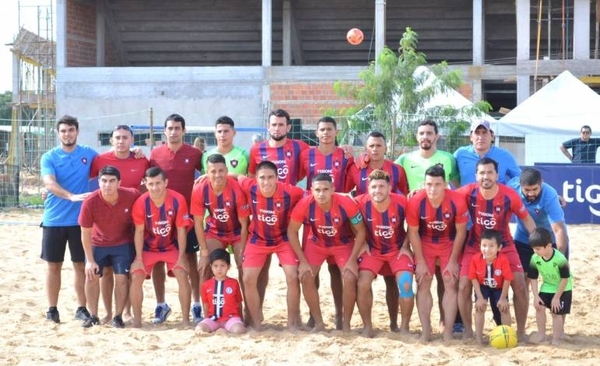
{"x":385,"y":230}
{"x":359,"y":178}
{"x":313,"y":162}
{"x":286,"y":158}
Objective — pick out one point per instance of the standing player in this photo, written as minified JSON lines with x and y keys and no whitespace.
{"x":236,"y":158}
{"x":271,"y":203}
{"x":179,"y":162}
{"x":161,"y":225}
{"x":437,"y":227}
{"x":107,"y":236}
{"x":491,"y":206}
{"x":336,"y":230}
{"x":384,"y":213}
{"x":65,"y":172}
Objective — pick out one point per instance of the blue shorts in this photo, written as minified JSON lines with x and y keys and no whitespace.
{"x":492,"y":294}
{"x":119,"y":257}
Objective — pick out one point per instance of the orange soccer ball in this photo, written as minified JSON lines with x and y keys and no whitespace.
{"x":355,"y":36}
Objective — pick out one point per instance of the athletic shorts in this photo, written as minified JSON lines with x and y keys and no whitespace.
{"x":317,"y":254}
{"x":565,"y":302}
{"x":375,"y":262}
{"x":119,"y":257}
{"x":213,"y":325}
{"x":509,"y":251}
{"x":225,"y":240}
{"x":54,"y":243}
{"x":437,"y":254}
{"x":192,"y":245}
{"x":170,"y":257}
{"x":526,"y":252}
{"x":255,"y":256}
{"x":493,"y":295}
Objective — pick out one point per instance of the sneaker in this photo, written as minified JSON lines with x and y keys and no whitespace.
{"x":117,"y":322}
{"x":52,"y":314}
{"x":90,"y":322}
{"x":161,"y":314}
{"x":82,"y":313}
{"x":458,"y":328}
{"x":197,"y":314}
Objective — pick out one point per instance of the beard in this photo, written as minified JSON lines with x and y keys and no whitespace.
{"x":278,"y":138}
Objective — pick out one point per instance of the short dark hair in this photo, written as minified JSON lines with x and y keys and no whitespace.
{"x":530,"y":176}
{"x":436,"y":170}
{"x":376,"y":134}
{"x":175,"y":118}
{"x":124,"y":127}
{"x":586,"y":127}
{"x":281,"y":113}
{"x":322,"y":177}
{"x":220,"y":254}
{"x":110,"y":170}
{"x":266,"y":165}
{"x":327,"y":119}
{"x":154,"y":172}
{"x":540,"y":237}
{"x":67,"y":120}
{"x":429,"y":122}
{"x":486,"y":161}
{"x":490,"y":234}
{"x":216,"y":159}
{"x":225,"y":120}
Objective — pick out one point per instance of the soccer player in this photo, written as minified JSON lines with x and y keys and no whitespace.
{"x":107,"y":236}
{"x":491,"y":206}
{"x":179,"y":162}
{"x":271,"y":203}
{"x":161,"y":222}
{"x":336,"y":230}
{"x":437,"y":227}
{"x":65,"y":172}
{"x":236,"y":158}
{"x":384,"y":214}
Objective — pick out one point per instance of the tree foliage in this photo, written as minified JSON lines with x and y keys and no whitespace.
{"x":5,"y":108}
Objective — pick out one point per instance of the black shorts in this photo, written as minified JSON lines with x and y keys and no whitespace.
{"x":525,"y":253}
{"x":565,"y":302}
{"x":119,"y":257}
{"x":54,"y":243}
{"x":192,"y":242}
{"x":492,"y":294}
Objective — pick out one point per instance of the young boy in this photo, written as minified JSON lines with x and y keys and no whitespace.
{"x":222,"y":297}
{"x":557,"y":284}
{"x":490,"y":274}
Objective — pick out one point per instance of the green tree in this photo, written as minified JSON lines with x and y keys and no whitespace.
{"x":5,"y":108}
{"x":393,"y":94}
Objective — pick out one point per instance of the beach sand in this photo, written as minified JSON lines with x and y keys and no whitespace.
{"x":30,"y":339}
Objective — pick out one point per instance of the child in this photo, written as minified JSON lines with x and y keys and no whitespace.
{"x":222,"y":297}
{"x":491,"y":275}
{"x":557,"y":284}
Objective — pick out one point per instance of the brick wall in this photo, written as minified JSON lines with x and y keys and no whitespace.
{"x":81,"y":33}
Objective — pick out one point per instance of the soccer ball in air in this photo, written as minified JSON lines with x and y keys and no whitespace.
{"x":355,"y":36}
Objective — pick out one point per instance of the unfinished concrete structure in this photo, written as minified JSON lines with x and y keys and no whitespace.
{"x":205,"y":58}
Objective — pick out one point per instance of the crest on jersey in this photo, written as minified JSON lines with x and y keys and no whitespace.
{"x":228,"y":204}
{"x":497,"y":272}
{"x":336,"y":220}
{"x":447,"y":215}
{"x":278,"y":204}
{"x":84,"y":161}
{"x":170,"y":213}
{"x":234,"y":163}
{"x":228,"y":290}
{"x":394,"y":220}
{"x":288,"y":154}
{"x":187,"y":161}
{"x":336,"y":163}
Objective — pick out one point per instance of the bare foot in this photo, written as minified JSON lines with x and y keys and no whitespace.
{"x":186,"y":323}
{"x":127,"y":317}
{"x":136,"y":323}
{"x":256,"y":326}
{"x":394,"y":328}
{"x":339,"y":323}
{"x":311,"y":322}
{"x":106,"y":319}
{"x":367,"y":332}
{"x":523,"y":338}
{"x":404,"y":330}
{"x":318,"y":328}
{"x":539,"y":338}
{"x":479,"y":340}
{"x":425,"y":338}
{"x":468,"y":334}
{"x":346,"y":328}
{"x":447,"y":335}
{"x":555,"y":341}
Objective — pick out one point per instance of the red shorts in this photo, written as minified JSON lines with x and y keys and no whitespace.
{"x":377,"y":263}
{"x":227,"y":324}
{"x":509,"y":251}
{"x":256,"y":255}
{"x":170,"y":257}
{"x":317,"y":254}
{"x":437,"y":254}
{"x":224,"y":240}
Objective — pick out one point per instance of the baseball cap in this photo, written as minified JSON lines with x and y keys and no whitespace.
{"x":485,"y":124}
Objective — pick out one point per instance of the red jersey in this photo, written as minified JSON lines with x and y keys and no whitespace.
{"x":224,"y":210}
{"x":179,"y":166}
{"x":111,"y":224}
{"x":492,"y":214}
{"x":223,"y":298}
{"x":132,"y":170}
{"x":286,"y":157}
{"x":270,"y":216}
{"x":331,"y":228}
{"x":161,"y":223}
{"x":492,"y":274}
{"x":313,"y":162}
{"x":385,"y":230}
{"x":437,"y":225}
{"x":359,"y":178}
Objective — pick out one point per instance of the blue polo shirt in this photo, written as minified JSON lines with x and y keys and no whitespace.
{"x":467,"y":159}
{"x":72,"y":172}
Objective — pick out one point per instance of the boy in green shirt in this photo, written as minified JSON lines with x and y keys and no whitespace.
{"x":557,"y":284}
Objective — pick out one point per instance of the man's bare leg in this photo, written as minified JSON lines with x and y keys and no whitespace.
{"x":364,"y":300}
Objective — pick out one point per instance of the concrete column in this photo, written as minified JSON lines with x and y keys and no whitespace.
{"x":100,"y":37}
{"x":287,"y":33}
{"x":267,"y":27}
{"x":61,"y":33}
{"x":379,"y":26}
{"x":581,"y":30}
{"x":478,"y":46}
{"x":523,"y":38}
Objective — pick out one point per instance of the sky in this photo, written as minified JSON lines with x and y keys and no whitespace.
{"x":9,"y":27}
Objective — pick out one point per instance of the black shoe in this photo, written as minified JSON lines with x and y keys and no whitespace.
{"x":52,"y":314}
{"x":90,"y":322}
{"x":82,"y":313}
{"x":117,"y":322}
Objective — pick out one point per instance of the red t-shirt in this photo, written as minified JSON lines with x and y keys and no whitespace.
{"x":132,"y":170}
{"x":225,"y":210}
{"x":492,"y":214}
{"x":385,"y":230}
{"x":286,"y":157}
{"x":179,"y":166}
{"x":359,"y":178}
{"x":313,"y":162}
{"x":161,"y":223}
{"x":270,"y":216}
{"x":223,"y":299}
{"x":437,"y":225}
{"x":111,"y":224}
{"x":492,"y":276}
{"x":331,"y":228}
